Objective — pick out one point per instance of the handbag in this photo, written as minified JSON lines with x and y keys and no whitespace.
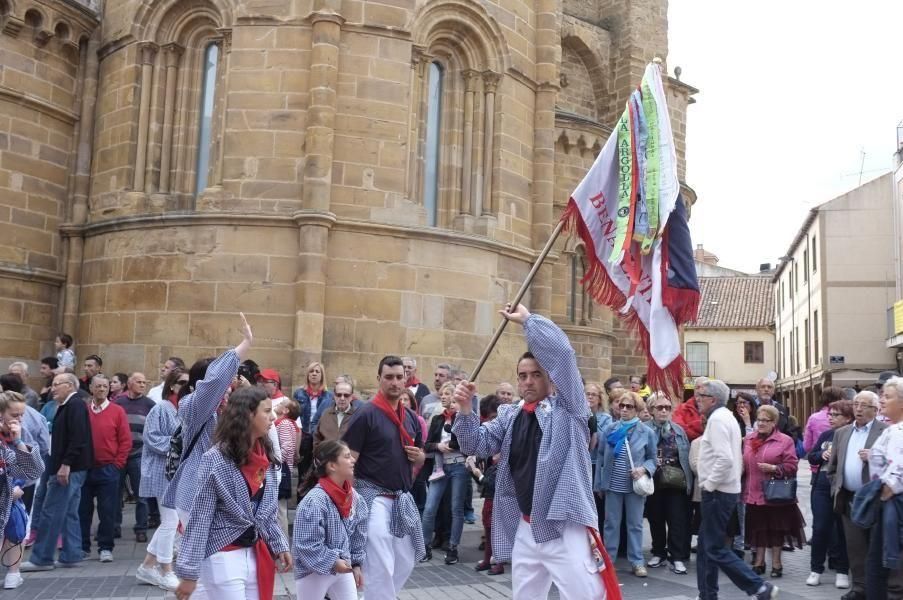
{"x":670,"y":477}
{"x":644,"y":485}
{"x":779,"y":491}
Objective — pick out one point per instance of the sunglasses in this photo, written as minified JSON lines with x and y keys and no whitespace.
{"x":337,"y":395}
{"x":622,"y":405}
{"x":665,"y":407}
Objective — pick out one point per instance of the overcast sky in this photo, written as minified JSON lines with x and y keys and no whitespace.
{"x":792,"y":92}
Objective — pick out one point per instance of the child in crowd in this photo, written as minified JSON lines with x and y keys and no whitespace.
{"x":330,"y":534}
{"x":65,"y":355}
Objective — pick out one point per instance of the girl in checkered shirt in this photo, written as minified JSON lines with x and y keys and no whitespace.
{"x":330,"y":533}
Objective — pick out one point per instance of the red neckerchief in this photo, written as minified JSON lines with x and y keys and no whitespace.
{"x":449,"y":415}
{"x":255,"y":470}
{"x":412,"y":381}
{"x":174,"y":399}
{"x":312,"y":393}
{"x":530,"y":407}
{"x":283,"y":419}
{"x":396,"y":416}
{"x":278,"y":394}
{"x":342,"y":497}
{"x":757,"y":442}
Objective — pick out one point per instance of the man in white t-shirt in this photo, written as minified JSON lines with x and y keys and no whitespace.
{"x":156,"y":392}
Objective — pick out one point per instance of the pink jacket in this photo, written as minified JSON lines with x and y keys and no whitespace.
{"x":778,"y":450}
{"x":816,"y":425}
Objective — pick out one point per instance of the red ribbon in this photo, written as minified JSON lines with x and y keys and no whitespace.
{"x":609,"y":577}
{"x":395,"y":415}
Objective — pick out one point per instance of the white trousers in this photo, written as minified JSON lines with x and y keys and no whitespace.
{"x":389,"y":559}
{"x":230,"y":575}
{"x":567,"y":562}
{"x":315,"y":587}
{"x":164,"y":540}
{"x":200,"y":592}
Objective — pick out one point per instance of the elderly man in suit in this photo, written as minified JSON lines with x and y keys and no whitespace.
{"x":850,"y":468}
{"x":334,"y":420}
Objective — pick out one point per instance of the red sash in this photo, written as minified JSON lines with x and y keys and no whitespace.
{"x":609,"y":577}
{"x":342,"y":497}
{"x":396,"y":416}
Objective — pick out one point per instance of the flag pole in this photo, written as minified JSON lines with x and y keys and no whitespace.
{"x":517,"y":298}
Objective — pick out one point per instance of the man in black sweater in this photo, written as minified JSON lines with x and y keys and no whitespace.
{"x":71,"y":455}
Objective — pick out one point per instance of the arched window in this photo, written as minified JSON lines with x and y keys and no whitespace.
{"x":433,"y":143}
{"x":205,"y":120}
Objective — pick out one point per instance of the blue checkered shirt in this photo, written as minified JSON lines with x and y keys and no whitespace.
{"x":197,"y":411}
{"x":405,"y":518}
{"x":321,"y":536}
{"x":24,"y":466}
{"x":223,"y":510}
{"x":562,"y":492}
{"x":159,"y":426}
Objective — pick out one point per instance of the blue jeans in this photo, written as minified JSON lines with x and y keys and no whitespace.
{"x":132,"y":472}
{"x":455,"y":474}
{"x":714,"y":551}
{"x":101,"y":483}
{"x":617,"y":505}
{"x":827,"y":529}
{"x":59,"y":515}
{"x":37,"y":506}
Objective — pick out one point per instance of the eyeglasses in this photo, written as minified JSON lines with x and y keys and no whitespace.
{"x":59,"y":383}
{"x":665,"y":407}
{"x":338,"y":395}
{"x":764,"y":420}
{"x":835,"y":414}
{"x":864,"y":405}
{"x":701,"y":395}
{"x":623,"y":406}
{"x":182,"y":382}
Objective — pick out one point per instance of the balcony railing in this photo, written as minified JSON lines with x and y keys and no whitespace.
{"x":702,"y":368}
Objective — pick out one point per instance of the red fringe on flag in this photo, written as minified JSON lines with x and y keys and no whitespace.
{"x":603,"y":290}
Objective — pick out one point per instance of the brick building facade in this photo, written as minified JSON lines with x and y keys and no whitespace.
{"x":360,"y":178}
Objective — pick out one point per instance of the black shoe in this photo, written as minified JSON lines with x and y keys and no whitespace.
{"x":777,"y":572}
{"x":141,"y":537}
{"x":769,"y":592}
{"x":429,"y":555}
{"x":759,"y":569}
{"x":451,"y":557}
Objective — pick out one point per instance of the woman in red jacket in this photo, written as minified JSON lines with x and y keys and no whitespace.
{"x":769,"y":454}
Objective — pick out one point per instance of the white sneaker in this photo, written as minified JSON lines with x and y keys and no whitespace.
{"x":679,"y":567}
{"x":106,"y":556}
{"x":151,"y":576}
{"x":842,"y":581}
{"x":12,"y":581}
{"x":813,"y":579}
{"x":656,"y":562}
{"x":169,"y":581}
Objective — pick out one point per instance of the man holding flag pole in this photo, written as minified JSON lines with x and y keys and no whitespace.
{"x":629,"y":214}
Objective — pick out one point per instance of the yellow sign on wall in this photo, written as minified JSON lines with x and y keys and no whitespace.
{"x":898,"y":317}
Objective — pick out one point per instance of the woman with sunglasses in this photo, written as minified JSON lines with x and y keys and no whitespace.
{"x":769,"y":454}
{"x":616,"y":477}
{"x":668,"y":509}
{"x":827,"y":527}
{"x":161,"y":423}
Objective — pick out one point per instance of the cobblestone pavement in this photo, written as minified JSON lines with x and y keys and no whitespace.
{"x":435,"y":580}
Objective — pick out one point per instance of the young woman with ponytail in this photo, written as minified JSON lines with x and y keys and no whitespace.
{"x":330,"y":533}
{"x":233,"y":531}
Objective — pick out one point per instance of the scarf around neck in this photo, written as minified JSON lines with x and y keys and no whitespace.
{"x":449,"y":415}
{"x":395,"y":415}
{"x":255,"y":469}
{"x":618,"y":435}
{"x":342,"y":496}
{"x":412,"y":382}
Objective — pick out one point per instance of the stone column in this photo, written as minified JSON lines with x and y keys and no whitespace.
{"x":315,"y":219}
{"x":220,"y":98}
{"x":73,"y":240}
{"x":420,"y":62}
{"x":147,"y":52}
{"x":173,"y":54}
{"x":490,"y":85}
{"x":548,"y":58}
{"x":476,"y":198}
{"x":467,"y":200}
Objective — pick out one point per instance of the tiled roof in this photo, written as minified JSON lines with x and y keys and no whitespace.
{"x":735,"y":302}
